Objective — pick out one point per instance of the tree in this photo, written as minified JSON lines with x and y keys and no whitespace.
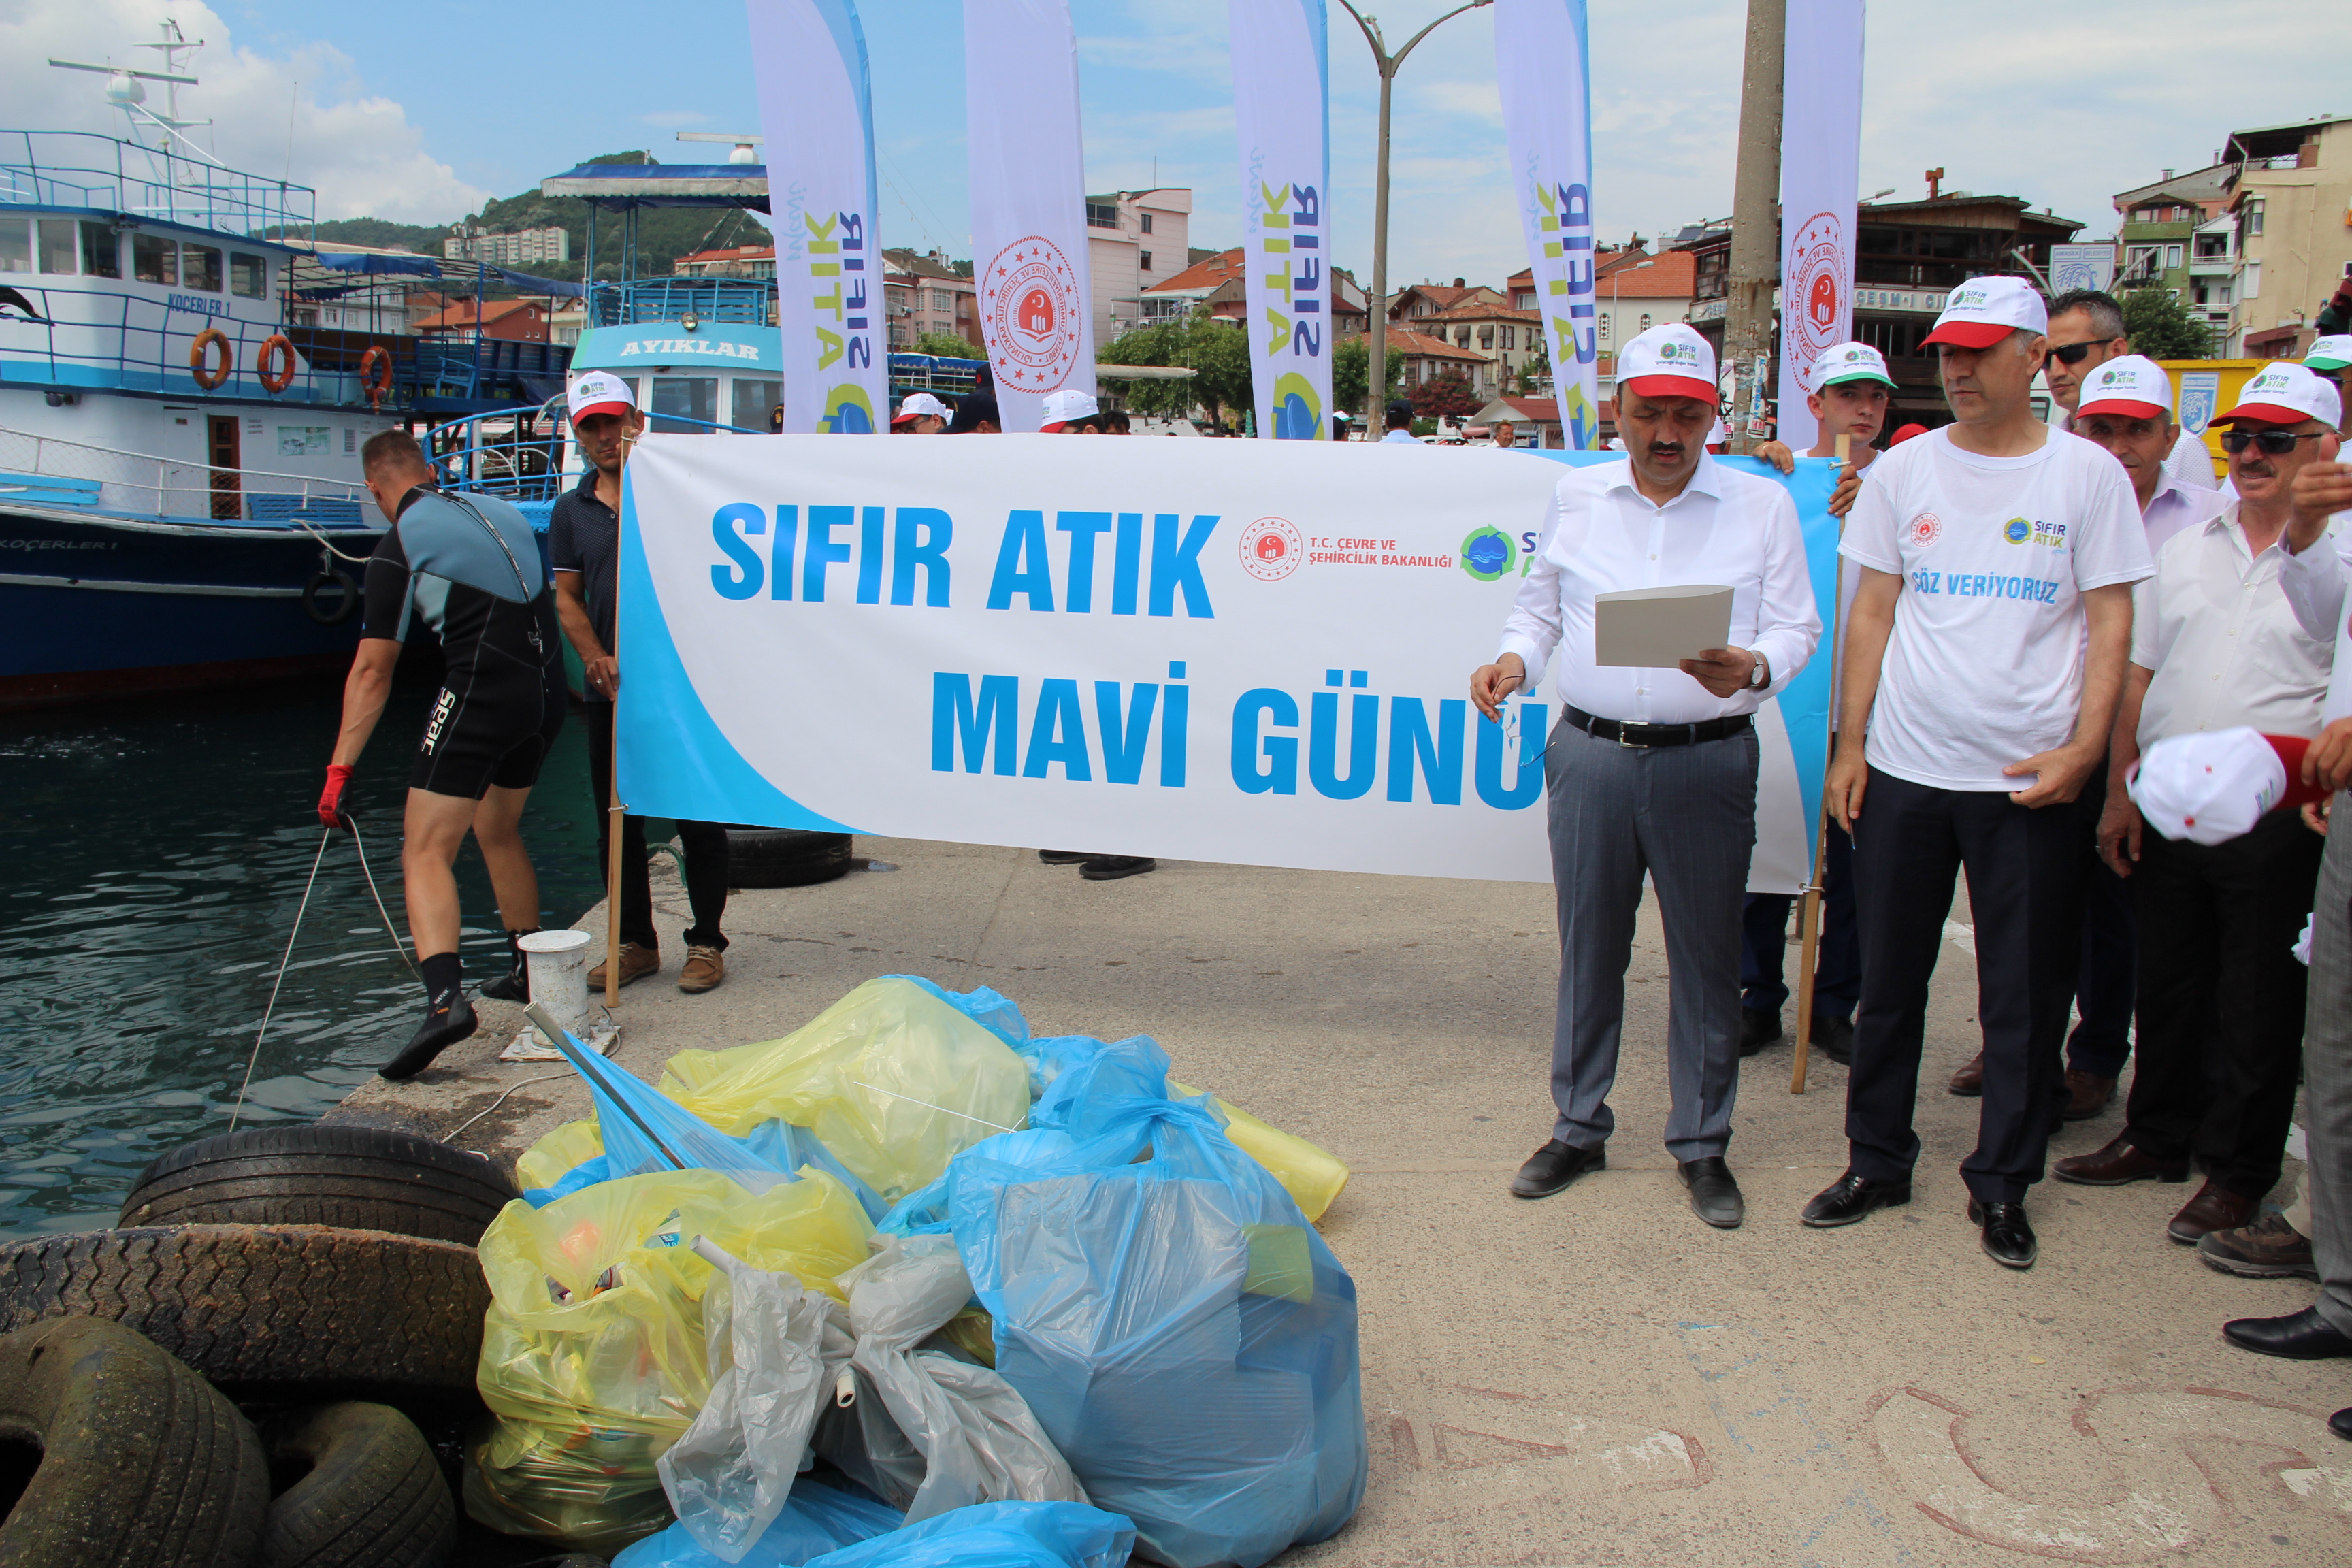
{"x":2162,"y":327}
{"x":947,"y":345}
{"x":1537,"y":367}
{"x":1216,"y":352}
{"x":1351,"y":370}
{"x":1447,"y":394}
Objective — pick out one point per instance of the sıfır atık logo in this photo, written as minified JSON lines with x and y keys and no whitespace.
{"x":1486,"y":553}
{"x":1679,"y":351}
{"x":1965,"y":296}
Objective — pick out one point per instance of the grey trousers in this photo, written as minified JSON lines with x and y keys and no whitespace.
{"x":1686,"y":815}
{"x":2327,"y":1075}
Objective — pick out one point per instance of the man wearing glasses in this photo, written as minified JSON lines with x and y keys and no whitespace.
{"x":2086,"y":331}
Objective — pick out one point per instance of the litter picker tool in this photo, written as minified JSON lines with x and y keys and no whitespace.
{"x":598,"y":1074}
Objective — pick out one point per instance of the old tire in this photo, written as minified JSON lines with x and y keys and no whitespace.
{"x":354,"y":1178}
{"x":784,"y":857}
{"x":261,"y":1307}
{"x":141,"y":1464}
{"x":370,"y":1495}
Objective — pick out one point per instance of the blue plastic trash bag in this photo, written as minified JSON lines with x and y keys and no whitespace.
{"x":776,"y":1148}
{"x":1180,"y":1330}
{"x":991,"y":1010}
{"x":816,"y":1519}
{"x":997,"y":1535}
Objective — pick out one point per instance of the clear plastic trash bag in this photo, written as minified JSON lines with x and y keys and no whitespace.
{"x":997,"y":1535}
{"x":816,"y":1519}
{"x":1180,"y":1330}
{"x":892,"y":1079}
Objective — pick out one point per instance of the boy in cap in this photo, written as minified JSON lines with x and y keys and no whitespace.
{"x":2216,"y":646}
{"x":920,"y":415}
{"x":1852,"y":395}
{"x":583,"y":548}
{"x":1981,"y":670}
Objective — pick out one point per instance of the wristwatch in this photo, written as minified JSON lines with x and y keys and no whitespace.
{"x":1761,"y":677}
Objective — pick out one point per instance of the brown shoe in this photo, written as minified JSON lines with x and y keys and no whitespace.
{"x":2269,"y":1249}
{"x":2088,"y":1094}
{"x":2116,"y":1163}
{"x":2215,"y":1207}
{"x":704,"y":968}
{"x":637,"y":962}
{"x":1970,"y":1079}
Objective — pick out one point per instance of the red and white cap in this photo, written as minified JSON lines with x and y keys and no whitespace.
{"x":1061,"y":407}
{"x":2132,"y":386}
{"x":600,"y":392}
{"x":2214,"y":785}
{"x":1984,"y":310}
{"x":2285,"y":393}
{"x":1671,"y":360}
{"x":920,"y":405}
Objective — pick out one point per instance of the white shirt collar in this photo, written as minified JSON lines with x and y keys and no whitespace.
{"x":1706,"y":478}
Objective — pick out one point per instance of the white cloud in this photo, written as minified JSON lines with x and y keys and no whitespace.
{"x":303,"y":116}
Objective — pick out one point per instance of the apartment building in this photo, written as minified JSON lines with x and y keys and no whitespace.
{"x":2290,"y":200}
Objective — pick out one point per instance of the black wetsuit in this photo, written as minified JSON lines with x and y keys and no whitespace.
{"x":470,"y":565}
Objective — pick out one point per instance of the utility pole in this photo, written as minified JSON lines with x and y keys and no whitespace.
{"x":1754,"y":214}
{"x":1376,"y":392}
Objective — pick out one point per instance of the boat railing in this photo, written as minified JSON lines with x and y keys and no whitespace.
{"x":934,"y":373}
{"x":113,"y":339}
{"x":521,"y":456}
{"x":46,"y":471}
{"x":737,"y":301}
{"x":84,"y":169}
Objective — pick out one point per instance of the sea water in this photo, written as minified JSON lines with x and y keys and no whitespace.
{"x":152,"y":858}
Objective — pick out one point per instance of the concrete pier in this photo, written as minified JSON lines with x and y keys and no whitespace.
{"x":1597,"y":1379}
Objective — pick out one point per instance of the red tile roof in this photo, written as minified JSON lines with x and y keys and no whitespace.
{"x":1418,"y":346}
{"x":1480,"y":311}
{"x":1204,"y":274}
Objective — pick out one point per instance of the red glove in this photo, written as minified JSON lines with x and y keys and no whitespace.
{"x":331,"y":800}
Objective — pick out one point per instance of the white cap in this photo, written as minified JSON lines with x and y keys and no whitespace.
{"x":600,"y":392}
{"x":2285,"y":393}
{"x":1671,"y":360}
{"x":2208,"y":787}
{"x":1849,"y":362}
{"x":2331,"y":352}
{"x":920,"y":405}
{"x":1984,"y":310}
{"x":2132,"y":386}
{"x":1061,"y":407}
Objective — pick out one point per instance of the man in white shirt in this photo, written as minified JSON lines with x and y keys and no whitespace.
{"x":1399,"y":420}
{"x":1654,"y":770}
{"x":1982,"y":666}
{"x":2086,"y":331}
{"x":2126,"y":408}
{"x":2215,"y":646}
{"x":2285,"y":424}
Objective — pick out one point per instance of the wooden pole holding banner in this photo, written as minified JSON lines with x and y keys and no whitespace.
{"x":615,"y":814}
{"x":1809,"y":919}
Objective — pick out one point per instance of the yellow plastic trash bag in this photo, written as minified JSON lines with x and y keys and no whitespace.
{"x":1312,"y":1176}
{"x":546,"y":1162}
{"x":593,"y":1354}
{"x":893,"y":1080}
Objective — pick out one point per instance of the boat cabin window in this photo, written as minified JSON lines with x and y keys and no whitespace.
{"x":200,"y":268}
{"x":15,"y":244}
{"x":155,"y":258}
{"x":678,"y":398}
{"x":58,"y":245}
{"x":248,"y":276}
{"x":755,"y":401}
{"x":101,"y":251}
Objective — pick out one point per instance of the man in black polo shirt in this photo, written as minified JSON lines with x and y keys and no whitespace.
{"x":584,"y":547}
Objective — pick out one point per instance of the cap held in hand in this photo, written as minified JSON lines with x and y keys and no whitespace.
{"x":2214,"y":785}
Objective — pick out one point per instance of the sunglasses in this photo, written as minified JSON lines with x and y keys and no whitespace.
{"x":2073,"y":353}
{"x":2277,"y":443}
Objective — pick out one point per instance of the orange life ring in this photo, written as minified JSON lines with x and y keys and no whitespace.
{"x":375,"y":386}
{"x":199,"y":351}
{"x":275,"y":343}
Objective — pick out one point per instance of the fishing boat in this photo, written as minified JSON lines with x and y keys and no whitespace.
{"x":181,"y":503}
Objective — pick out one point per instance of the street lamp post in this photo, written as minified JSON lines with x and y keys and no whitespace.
{"x":1376,"y":393}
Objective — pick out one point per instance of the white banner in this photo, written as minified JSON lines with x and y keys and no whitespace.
{"x":1820,"y":170}
{"x":1542,"y":65}
{"x":1255,"y":652}
{"x":809,"y":56}
{"x":1028,"y":202}
{"x":1282,"y":103}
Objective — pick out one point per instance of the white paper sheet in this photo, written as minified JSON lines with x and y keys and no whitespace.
{"x":1654,"y":629}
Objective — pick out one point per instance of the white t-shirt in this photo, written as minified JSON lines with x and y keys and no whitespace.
{"x":1984,"y":666}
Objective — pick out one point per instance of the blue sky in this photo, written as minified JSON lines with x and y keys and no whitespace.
{"x":418,"y":112}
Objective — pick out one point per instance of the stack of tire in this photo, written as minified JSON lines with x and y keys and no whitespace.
{"x":243,"y":1374}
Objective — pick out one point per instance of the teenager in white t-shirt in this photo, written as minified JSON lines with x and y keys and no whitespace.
{"x":1982,"y":666}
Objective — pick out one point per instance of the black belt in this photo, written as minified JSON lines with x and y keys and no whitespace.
{"x":1655,"y":734}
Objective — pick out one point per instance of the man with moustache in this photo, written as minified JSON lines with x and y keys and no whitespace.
{"x":1654,"y":770}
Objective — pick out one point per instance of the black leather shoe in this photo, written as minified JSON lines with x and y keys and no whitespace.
{"x":1553,"y":1166}
{"x":1714,"y":1195}
{"x":2008,"y":1239}
{"x":1850,"y":1197}
{"x":2341,"y":1424}
{"x":1834,"y":1038}
{"x":2298,"y":1336}
{"x":436,"y":1034}
{"x":1111,"y":867}
{"x":511,"y":986}
{"x":1065,"y":857}
{"x":1759,"y":1028}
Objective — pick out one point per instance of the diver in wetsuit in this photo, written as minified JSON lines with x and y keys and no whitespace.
{"x":469,"y":566}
